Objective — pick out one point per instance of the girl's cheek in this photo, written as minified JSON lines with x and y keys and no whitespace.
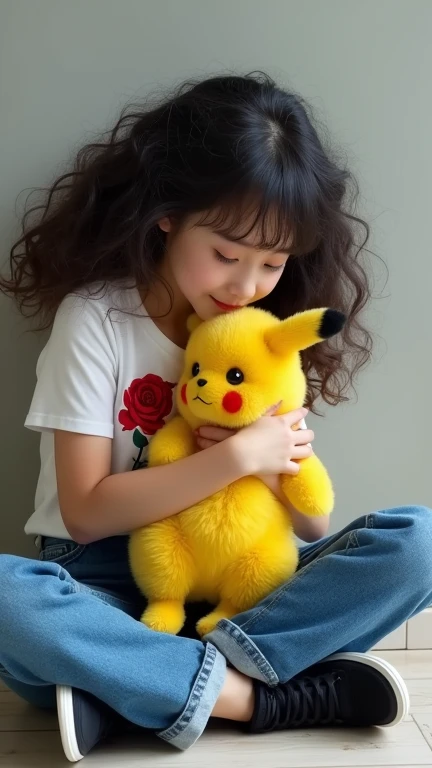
{"x":198,"y":279}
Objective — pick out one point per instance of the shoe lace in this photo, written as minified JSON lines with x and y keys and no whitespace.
{"x":305,"y":701}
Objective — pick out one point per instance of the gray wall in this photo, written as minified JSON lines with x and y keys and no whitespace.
{"x":66,"y":69}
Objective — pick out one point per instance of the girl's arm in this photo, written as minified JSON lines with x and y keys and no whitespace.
{"x":96,"y":504}
{"x":306,"y":528}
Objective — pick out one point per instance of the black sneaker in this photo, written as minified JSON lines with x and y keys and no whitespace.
{"x":348,"y":689}
{"x":84,"y":721}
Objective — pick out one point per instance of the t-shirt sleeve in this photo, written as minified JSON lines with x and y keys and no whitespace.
{"x":77,"y":372}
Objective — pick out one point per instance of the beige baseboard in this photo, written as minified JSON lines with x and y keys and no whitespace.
{"x":415,"y":634}
{"x":419,"y":631}
{"x":396,"y":640}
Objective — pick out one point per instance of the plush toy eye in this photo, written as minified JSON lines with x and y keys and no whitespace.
{"x":235,"y":376}
{"x":195,"y":369}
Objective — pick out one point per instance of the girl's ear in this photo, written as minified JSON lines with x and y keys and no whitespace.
{"x":165,"y":224}
{"x":193,"y":322}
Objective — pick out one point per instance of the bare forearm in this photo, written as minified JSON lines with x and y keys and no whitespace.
{"x":307,"y":528}
{"x":125,"y":501}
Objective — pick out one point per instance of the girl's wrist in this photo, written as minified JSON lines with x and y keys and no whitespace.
{"x":240,"y":455}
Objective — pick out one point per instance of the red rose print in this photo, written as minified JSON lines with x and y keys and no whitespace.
{"x":147,"y":402}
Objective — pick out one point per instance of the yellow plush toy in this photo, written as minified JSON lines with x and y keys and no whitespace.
{"x":235,"y":547}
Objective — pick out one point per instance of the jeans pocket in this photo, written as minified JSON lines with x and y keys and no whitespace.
{"x":61,"y":551}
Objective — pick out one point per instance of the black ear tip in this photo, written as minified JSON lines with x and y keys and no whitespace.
{"x":331,"y":323}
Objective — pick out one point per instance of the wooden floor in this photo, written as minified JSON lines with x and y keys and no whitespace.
{"x":29,"y":738}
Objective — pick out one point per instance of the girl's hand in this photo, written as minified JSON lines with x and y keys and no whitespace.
{"x":271,"y":446}
{"x":267,"y":447}
{"x":208,"y":436}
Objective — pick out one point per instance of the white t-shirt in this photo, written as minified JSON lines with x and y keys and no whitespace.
{"x":105,"y":373}
{"x":101,"y":373}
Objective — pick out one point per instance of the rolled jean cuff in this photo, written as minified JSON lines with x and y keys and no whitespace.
{"x":205,"y":692}
{"x":242,"y":652}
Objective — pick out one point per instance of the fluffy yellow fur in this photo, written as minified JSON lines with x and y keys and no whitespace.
{"x":235,"y":547}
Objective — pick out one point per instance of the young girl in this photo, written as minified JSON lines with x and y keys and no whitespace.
{"x":219,"y":196}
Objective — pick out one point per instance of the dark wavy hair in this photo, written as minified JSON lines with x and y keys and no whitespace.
{"x":224,"y":146}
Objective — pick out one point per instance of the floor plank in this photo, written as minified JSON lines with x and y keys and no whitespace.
{"x":424,"y":722}
{"x":17,"y":715}
{"x":420,"y":692}
{"x":29,"y":738}
{"x":399,"y":746}
{"x":411,"y":664}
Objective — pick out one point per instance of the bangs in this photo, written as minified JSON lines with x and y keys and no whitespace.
{"x":283,"y":221}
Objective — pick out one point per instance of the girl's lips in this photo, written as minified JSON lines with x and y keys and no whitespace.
{"x":226,"y":307}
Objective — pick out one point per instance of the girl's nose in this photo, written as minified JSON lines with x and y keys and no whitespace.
{"x":244,"y":290}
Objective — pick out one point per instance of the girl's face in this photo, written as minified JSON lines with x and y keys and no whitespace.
{"x":216,"y":275}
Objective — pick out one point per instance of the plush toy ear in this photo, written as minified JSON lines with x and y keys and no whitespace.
{"x":193,"y":322}
{"x":304,"y":329}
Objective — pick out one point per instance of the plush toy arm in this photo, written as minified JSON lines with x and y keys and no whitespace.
{"x":173,"y":442}
{"x":311,"y":491}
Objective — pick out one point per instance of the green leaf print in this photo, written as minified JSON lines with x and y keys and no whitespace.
{"x":139,"y":439}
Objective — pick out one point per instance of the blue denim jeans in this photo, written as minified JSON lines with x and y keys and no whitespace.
{"x":71,"y":618}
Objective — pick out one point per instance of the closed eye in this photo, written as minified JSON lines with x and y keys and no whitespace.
{"x":274,"y":268}
{"x":224,"y":260}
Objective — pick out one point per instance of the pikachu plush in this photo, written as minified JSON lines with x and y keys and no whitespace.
{"x":235,"y":547}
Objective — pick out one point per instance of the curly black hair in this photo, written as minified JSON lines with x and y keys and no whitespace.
{"x":224,"y":146}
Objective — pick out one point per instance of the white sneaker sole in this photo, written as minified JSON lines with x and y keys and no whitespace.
{"x":67,"y":723}
{"x":390,"y":673}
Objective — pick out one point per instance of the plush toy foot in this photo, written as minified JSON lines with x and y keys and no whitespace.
{"x":208,"y":623}
{"x":164,"y":616}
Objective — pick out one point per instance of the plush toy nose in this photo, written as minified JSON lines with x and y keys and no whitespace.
{"x":202,"y":382}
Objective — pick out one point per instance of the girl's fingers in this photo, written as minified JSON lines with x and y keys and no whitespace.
{"x":304,"y":436}
{"x":302,"y":451}
{"x":292,"y":417}
{"x":292,"y":469}
{"x":205,"y":443}
{"x":215,"y":433}
{"x":273,"y":409}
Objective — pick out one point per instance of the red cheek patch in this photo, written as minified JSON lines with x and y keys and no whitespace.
{"x":183,"y":394}
{"x":232,"y":402}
